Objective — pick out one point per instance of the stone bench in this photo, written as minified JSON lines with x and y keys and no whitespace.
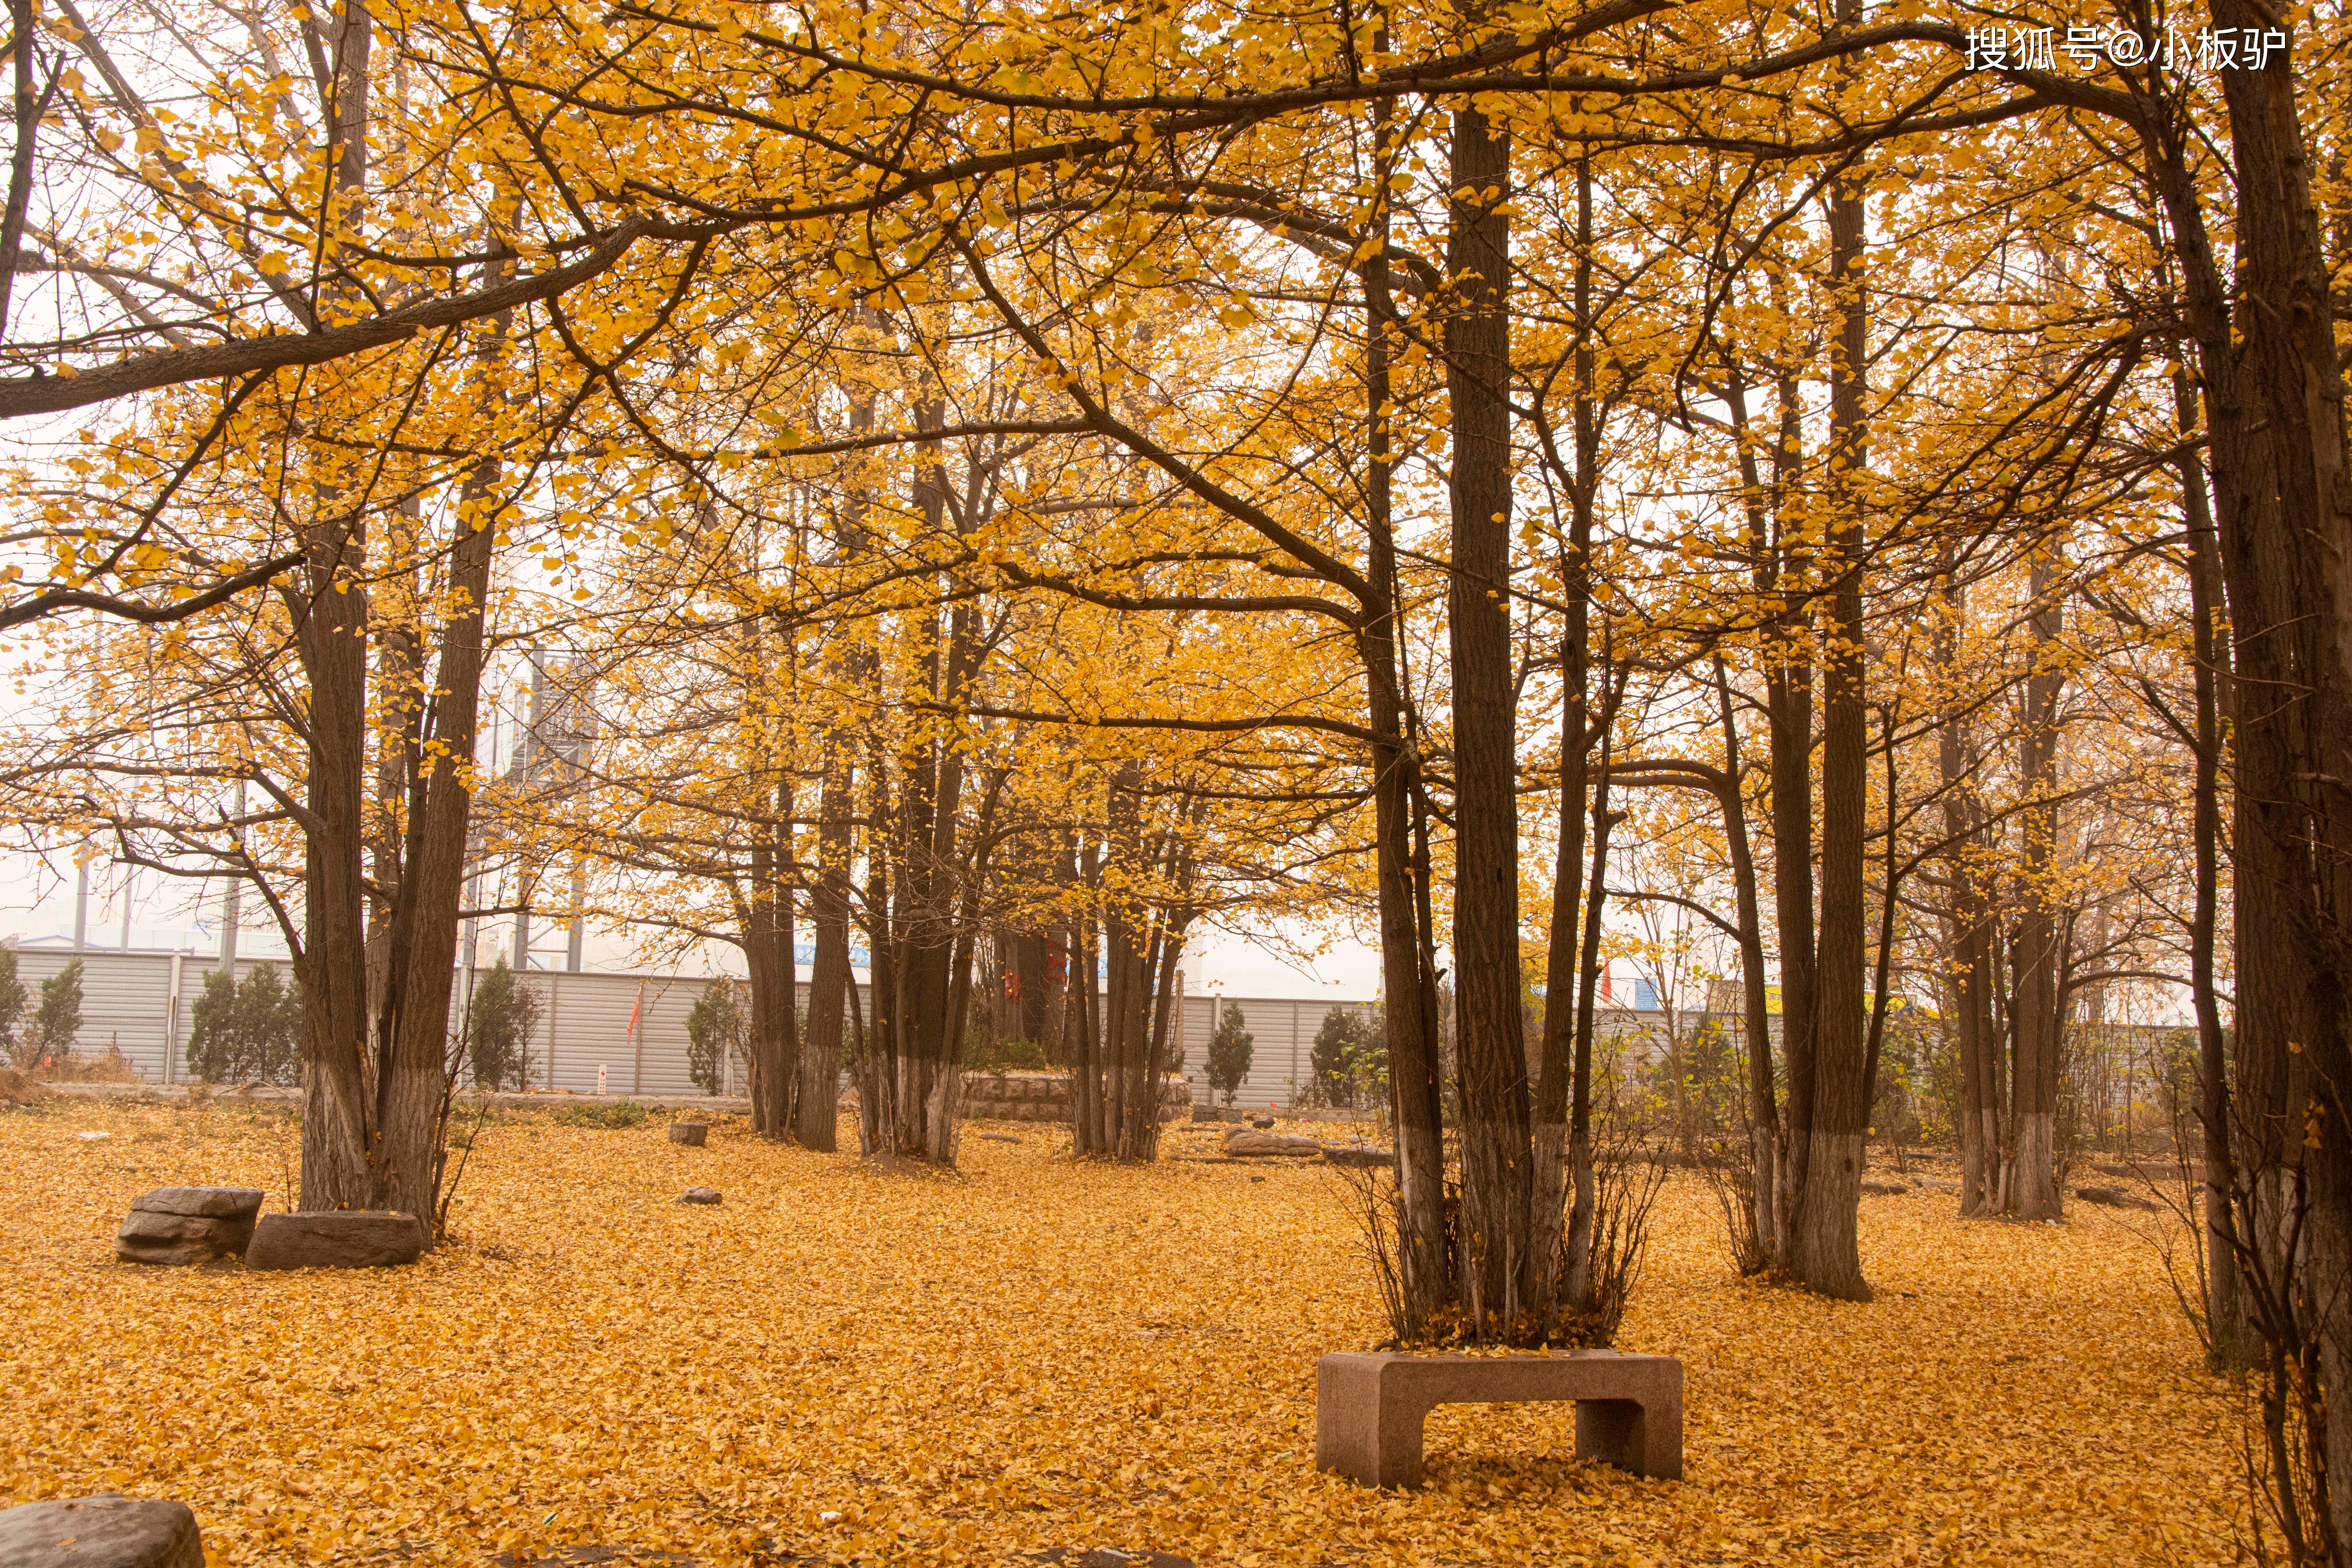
{"x":1369,"y":1406}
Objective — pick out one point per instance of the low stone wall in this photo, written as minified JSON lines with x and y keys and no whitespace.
{"x":1046,"y":1097}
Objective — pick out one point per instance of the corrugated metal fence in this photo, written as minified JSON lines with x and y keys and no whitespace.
{"x":141,"y":1002}
{"x":1281,"y":1044}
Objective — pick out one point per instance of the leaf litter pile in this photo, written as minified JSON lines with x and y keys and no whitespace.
{"x":855,"y":1365}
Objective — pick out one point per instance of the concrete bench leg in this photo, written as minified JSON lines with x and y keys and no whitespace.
{"x":1628,"y":1434}
{"x":1374,"y":1441}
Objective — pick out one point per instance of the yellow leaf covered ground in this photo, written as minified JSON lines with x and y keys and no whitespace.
{"x":1036,"y":1353}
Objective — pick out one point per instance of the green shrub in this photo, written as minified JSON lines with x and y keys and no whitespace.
{"x":50,"y":1041}
{"x":1009,"y":1055}
{"x":714,"y":1028}
{"x":1350,"y":1062}
{"x":245,"y":1033}
{"x":14,"y":1000}
{"x":1229,"y":1052}
{"x":500,"y":1023}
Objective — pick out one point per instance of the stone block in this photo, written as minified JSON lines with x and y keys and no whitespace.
{"x":105,"y":1532}
{"x":185,"y":1226}
{"x":1360,"y":1159}
{"x":343,"y":1238}
{"x":691,"y":1134}
{"x":171,"y":1239}
{"x":1251,"y":1143}
{"x":699,"y":1195}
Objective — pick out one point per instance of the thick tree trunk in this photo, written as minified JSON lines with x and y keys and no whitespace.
{"x":413,"y":1030}
{"x":1499,"y":1249}
{"x":1829,"y":1109}
{"x":2034,"y":1005}
{"x":341,"y":1127}
{"x":2274,"y":398}
{"x":773,"y":1061}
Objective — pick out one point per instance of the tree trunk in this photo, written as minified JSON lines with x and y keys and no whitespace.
{"x":818,"y":1099}
{"x":1829,"y":1113}
{"x":1763,"y":1103}
{"x":773,"y":1062}
{"x":2035,"y":1007}
{"x":328,"y":606}
{"x":878,"y":1107}
{"x":1425,"y":1255}
{"x":1561,"y":1110}
{"x":1499,"y":1249}
{"x":413,"y":1031}
{"x":1086,"y":1111}
{"x":2274,"y":400}
{"x":1967,"y":934}
{"x":2224,"y":1305}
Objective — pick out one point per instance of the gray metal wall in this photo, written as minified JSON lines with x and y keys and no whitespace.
{"x":1281,"y":1045}
{"x":128,"y":1000}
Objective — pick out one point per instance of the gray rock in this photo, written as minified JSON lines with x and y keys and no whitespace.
{"x":1249,"y":1143}
{"x":183,"y":1226}
{"x":690,"y":1133}
{"x":1358,"y":1159}
{"x":174,"y":1239}
{"x":999,"y":1138}
{"x":1207,"y":1113}
{"x":2112,"y":1197}
{"x":106,"y":1532}
{"x":699,"y":1195}
{"x":1262,"y":1122}
{"x":345,"y":1239}
{"x":217,"y":1202}
{"x":1888,"y":1189}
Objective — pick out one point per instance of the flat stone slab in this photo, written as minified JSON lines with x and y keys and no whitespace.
{"x":214,"y":1202}
{"x":1250,"y":1144}
{"x":1369,"y":1406}
{"x":1358,"y":1159}
{"x":691,"y":1134}
{"x":699,"y":1195}
{"x":105,"y":1532}
{"x":343,"y":1238}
